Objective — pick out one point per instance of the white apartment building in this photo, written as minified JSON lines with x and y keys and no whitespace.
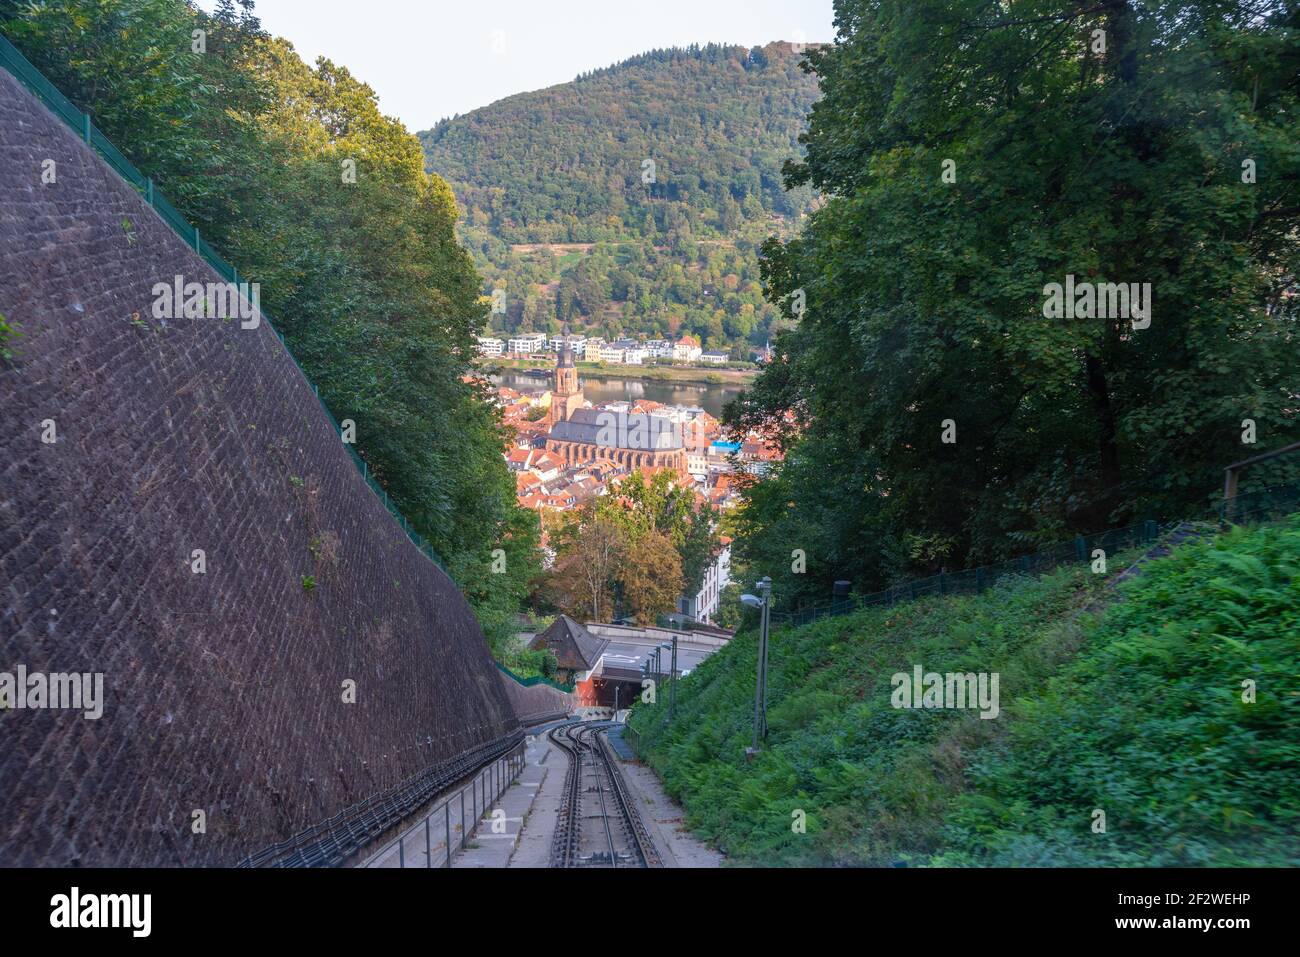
{"x":527,"y":344}
{"x":717,"y":575}
{"x":714,"y":358}
{"x":633,"y":352}
{"x":577,"y":343}
{"x":489,"y":346}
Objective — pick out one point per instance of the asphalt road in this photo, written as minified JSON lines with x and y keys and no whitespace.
{"x":625,"y":657}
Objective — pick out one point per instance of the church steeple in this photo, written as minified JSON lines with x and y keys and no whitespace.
{"x":565,"y":396}
{"x":565,"y":381}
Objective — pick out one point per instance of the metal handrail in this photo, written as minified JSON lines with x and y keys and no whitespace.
{"x":1231,"y":475}
{"x":488,"y":778}
{"x":333,"y":841}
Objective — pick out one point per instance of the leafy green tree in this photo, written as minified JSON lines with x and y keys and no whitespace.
{"x":651,"y":576}
{"x":660,"y":506}
{"x":185,"y":118}
{"x":1122,"y":162}
{"x":590,"y":550}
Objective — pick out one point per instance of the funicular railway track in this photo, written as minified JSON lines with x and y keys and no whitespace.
{"x":598,"y":824}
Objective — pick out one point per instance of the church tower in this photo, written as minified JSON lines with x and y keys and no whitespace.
{"x":565,"y":394}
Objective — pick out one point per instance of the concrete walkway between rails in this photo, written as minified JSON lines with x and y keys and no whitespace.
{"x":496,"y":840}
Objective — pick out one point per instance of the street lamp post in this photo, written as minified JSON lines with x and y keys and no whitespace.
{"x":672,"y":675}
{"x":672,"y":689}
{"x":766,"y":587}
{"x":764,"y":604}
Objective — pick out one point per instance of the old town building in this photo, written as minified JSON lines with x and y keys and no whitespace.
{"x":625,"y":439}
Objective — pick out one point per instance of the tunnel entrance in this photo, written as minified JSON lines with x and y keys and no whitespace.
{"x":606,"y":691}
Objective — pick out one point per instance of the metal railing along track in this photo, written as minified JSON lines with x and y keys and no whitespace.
{"x":333,"y":841}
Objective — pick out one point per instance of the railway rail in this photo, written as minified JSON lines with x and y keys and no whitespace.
{"x":598,"y":824}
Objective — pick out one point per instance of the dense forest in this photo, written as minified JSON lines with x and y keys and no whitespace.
{"x":376,"y":299}
{"x":633,"y":200}
{"x":936,"y":411}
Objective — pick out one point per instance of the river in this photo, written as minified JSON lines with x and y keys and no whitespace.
{"x":710,"y":397}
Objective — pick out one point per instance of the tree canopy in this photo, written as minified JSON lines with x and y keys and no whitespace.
{"x":646,"y":542}
{"x":972,"y":155}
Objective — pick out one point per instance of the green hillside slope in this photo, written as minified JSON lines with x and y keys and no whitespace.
{"x":1128,"y":704}
{"x":569,"y":164}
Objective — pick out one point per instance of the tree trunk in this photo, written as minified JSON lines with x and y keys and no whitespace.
{"x":1107,"y":443}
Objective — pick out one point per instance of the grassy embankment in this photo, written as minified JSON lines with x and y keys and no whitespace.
{"x":1130,"y":703}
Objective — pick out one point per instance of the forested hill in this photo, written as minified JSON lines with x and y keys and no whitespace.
{"x":568,"y":164}
{"x":564,"y":164}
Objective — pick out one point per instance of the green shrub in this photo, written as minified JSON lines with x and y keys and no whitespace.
{"x":7,"y":334}
{"x":1149,"y":725}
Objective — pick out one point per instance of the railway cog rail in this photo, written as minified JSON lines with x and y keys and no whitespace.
{"x":598,"y":824}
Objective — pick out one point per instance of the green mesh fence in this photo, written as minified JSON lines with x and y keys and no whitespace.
{"x":1259,"y":505}
{"x":973,"y":580}
{"x":45,"y":91}
{"x":1262,"y":505}
{"x":535,"y":680}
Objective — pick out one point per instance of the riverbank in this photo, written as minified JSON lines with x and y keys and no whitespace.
{"x":605,"y":370}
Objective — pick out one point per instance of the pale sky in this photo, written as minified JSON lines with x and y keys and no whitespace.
{"x":428,"y":59}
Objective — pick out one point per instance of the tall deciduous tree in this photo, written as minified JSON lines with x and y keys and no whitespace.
{"x":662,"y":506}
{"x":652,"y":579}
{"x":974,"y":154}
{"x":586,"y":567}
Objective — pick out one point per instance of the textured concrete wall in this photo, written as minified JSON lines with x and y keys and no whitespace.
{"x":536,"y":702}
{"x":223,"y":691}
